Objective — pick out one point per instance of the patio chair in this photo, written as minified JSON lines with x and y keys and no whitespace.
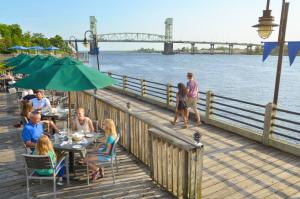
{"x":111,"y":160}
{"x":27,"y":149}
{"x":33,"y":162}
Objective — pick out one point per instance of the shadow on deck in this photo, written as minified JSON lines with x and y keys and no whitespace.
{"x":132,"y":180}
{"x":233,"y":166}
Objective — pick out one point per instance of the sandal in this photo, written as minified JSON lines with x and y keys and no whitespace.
{"x":101,"y":173}
{"x":173,"y":123}
{"x":81,"y":162}
{"x":95,"y":175}
{"x":198,"y":123}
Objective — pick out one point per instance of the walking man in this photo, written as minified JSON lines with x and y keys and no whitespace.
{"x":192,"y":96}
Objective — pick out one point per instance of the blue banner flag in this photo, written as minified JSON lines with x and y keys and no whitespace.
{"x":268,"y":47}
{"x":293,"y":49}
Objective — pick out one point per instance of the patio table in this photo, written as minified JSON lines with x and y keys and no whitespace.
{"x":64,"y":145}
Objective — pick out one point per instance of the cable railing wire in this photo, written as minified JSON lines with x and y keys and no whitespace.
{"x":238,"y":121}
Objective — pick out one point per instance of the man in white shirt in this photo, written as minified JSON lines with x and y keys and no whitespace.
{"x":40,"y":102}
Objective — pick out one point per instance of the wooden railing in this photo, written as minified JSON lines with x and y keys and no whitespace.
{"x":175,"y":163}
{"x":263,"y":123}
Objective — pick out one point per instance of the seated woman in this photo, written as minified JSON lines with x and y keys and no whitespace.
{"x":104,"y":150}
{"x":25,"y":113}
{"x":25,"y":116}
{"x":44,"y":147}
{"x":82,"y":123}
{"x":26,"y":110}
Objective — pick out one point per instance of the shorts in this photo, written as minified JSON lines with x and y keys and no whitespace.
{"x":191,"y":102}
{"x":181,"y":105}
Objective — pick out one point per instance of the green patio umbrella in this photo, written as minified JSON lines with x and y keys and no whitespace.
{"x":17,"y":60}
{"x":28,"y":62}
{"x":19,"y":56}
{"x":66,"y":74}
{"x":36,"y":65}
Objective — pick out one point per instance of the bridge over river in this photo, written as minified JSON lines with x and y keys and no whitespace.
{"x":158,"y":160}
{"x":166,"y":39}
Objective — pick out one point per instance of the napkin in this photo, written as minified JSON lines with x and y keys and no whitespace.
{"x":63,"y":143}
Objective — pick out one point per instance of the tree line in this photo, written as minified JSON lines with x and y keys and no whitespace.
{"x":13,"y":34}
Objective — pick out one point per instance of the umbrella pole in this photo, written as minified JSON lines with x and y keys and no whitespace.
{"x":52,"y":98}
{"x":69,"y":104}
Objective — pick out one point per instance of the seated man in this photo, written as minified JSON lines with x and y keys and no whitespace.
{"x":33,"y":130}
{"x":40,"y":102}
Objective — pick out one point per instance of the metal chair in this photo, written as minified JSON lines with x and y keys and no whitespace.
{"x":27,"y":149}
{"x":112,"y":159}
{"x":33,"y":162}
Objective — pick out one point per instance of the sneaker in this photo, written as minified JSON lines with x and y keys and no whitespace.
{"x":17,"y":125}
{"x":60,"y":183}
{"x":173,"y":123}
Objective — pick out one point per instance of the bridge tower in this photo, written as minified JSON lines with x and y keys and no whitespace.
{"x":93,"y":28}
{"x":168,"y":45}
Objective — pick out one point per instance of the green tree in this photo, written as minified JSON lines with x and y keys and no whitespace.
{"x":38,"y":39}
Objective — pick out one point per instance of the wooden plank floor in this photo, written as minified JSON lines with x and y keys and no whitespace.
{"x":132,"y":181}
{"x":234,"y":166}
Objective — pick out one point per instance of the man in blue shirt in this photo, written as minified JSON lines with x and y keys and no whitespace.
{"x":33,"y":130}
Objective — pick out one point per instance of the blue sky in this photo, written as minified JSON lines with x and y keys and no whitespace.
{"x":210,"y":20}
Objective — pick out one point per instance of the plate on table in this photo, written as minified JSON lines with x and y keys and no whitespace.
{"x":89,"y":135}
{"x":77,"y":146}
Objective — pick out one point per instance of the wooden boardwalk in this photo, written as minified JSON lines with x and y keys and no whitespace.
{"x":132,"y":181}
{"x":234,"y":166}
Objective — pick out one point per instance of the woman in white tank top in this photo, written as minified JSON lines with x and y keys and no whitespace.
{"x":82,"y":123}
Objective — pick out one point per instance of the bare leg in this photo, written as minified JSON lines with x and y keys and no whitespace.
{"x":91,"y":160}
{"x":183,"y":115}
{"x":53,"y":126}
{"x":175,"y":118}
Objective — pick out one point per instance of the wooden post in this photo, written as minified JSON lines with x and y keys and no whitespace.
{"x":281,"y":41}
{"x":95,"y":104}
{"x":268,"y":123}
{"x":169,"y":94}
{"x":150,"y":153}
{"x":125,"y":82}
{"x":76,"y":93}
{"x":143,"y":87}
{"x":198,"y":176}
{"x":209,"y":98}
{"x":128,"y":127}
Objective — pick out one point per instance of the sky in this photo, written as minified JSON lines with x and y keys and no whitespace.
{"x":209,"y":20}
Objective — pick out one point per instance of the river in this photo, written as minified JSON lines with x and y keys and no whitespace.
{"x":244,"y":77}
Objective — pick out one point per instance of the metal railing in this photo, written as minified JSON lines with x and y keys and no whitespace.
{"x":247,"y":114}
{"x":286,"y":125}
{"x":255,"y":121}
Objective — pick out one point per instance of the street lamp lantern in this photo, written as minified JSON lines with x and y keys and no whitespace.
{"x":76,"y":46}
{"x":265,"y":29}
{"x":265,"y":23}
{"x":85,"y":43}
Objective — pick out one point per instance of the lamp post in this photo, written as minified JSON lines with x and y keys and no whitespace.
{"x":85,"y":41}
{"x":265,"y":26}
{"x":76,"y":46}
